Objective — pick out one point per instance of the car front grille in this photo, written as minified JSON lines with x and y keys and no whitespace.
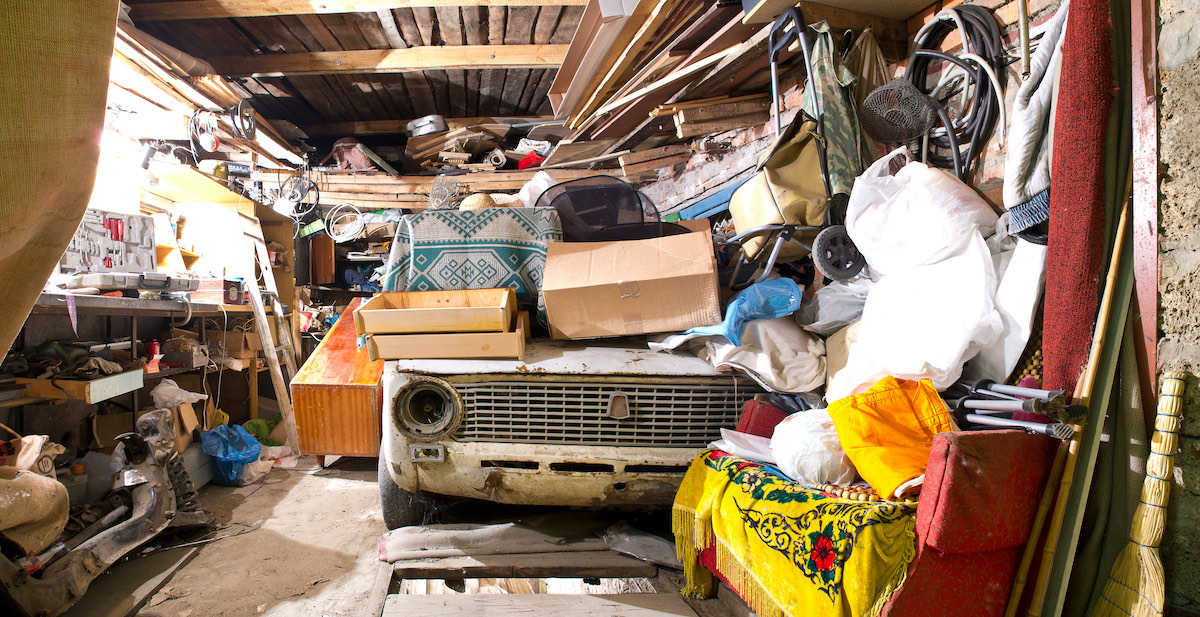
{"x":660,"y":415}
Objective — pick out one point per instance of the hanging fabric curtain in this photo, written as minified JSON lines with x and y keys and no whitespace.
{"x":54,"y":58}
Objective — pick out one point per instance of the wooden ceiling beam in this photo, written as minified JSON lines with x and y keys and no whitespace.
{"x":385,"y":127}
{"x":392,"y":60}
{"x":216,"y":9}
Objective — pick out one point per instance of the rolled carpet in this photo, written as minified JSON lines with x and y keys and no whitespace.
{"x":1077,"y":193}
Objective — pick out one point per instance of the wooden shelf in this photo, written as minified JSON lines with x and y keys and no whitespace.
{"x":89,"y":391}
{"x":25,"y":400}
{"x":50,"y":303}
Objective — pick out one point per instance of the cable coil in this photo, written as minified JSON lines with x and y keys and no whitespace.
{"x":981,"y":93}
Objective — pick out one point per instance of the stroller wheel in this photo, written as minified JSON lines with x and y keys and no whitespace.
{"x":835,"y":254}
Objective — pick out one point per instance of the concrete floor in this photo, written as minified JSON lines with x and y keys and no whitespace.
{"x":308,"y":547}
{"x":304,"y":543}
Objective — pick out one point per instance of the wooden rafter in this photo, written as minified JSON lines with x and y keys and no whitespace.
{"x":392,"y":60}
{"x":381,"y":127}
{"x":213,"y":9}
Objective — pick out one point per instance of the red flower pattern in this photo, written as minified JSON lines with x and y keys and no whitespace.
{"x":823,"y":554}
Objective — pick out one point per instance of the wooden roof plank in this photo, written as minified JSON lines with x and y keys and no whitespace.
{"x":514,"y":87}
{"x":518,"y":31}
{"x":371,"y":29}
{"x":408,"y":27}
{"x":392,"y":60}
{"x":475,"y":25}
{"x":387,"y":21}
{"x":491,"y":88}
{"x":568,"y":23}
{"x":319,"y":31}
{"x":473,"y":80}
{"x":450,"y":25}
{"x":216,"y":9}
{"x":426,"y":20}
{"x":546,"y":23}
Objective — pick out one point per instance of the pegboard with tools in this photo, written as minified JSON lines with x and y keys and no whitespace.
{"x":111,"y":242}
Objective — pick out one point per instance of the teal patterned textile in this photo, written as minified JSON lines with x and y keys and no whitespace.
{"x":480,"y":249}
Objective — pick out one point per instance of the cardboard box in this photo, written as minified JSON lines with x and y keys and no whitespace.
{"x":184,"y":421}
{"x":219,"y":291}
{"x":237,"y":344}
{"x":457,"y":310}
{"x":385,"y":231}
{"x":597,"y":289}
{"x":107,"y":427}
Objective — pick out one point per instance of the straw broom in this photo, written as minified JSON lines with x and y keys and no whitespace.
{"x":1136,"y":584}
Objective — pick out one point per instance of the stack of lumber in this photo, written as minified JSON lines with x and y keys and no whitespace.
{"x":372,"y":190}
{"x":623,"y":69}
{"x":463,"y":148}
{"x":646,"y":164}
{"x":716,"y":114}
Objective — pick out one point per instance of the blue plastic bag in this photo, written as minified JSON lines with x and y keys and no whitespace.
{"x":770,"y":299}
{"x":231,"y":448}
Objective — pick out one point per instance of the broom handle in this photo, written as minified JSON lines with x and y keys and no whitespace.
{"x":1083,"y":393}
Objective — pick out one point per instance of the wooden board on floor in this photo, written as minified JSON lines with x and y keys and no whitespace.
{"x":513,"y":605}
{"x":575,"y":564}
{"x":127,"y":586}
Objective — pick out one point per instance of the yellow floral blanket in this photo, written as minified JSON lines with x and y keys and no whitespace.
{"x":789,"y":550}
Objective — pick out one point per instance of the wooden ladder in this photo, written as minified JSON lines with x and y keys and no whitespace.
{"x":254,"y":236}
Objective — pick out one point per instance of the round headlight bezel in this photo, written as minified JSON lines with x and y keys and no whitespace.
{"x":427,"y":409}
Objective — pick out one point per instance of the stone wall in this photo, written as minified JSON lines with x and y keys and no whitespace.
{"x":1179,"y":321}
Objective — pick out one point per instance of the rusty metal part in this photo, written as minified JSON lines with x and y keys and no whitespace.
{"x":159,"y":495}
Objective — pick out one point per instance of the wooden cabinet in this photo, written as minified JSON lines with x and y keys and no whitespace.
{"x":337,"y":395}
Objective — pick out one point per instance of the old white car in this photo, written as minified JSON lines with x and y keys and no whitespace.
{"x":596,"y":423}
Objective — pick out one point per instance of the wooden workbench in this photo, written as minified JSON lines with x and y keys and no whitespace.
{"x":337,"y":395}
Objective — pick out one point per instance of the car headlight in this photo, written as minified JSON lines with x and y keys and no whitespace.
{"x":427,"y":409}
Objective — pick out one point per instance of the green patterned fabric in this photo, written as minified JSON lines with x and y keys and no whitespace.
{"x":481,"y":249}
{"x":832,"y":87}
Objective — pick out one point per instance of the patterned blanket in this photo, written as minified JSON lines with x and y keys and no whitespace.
{"x":481,"y":249}
{"x":786,"y":548}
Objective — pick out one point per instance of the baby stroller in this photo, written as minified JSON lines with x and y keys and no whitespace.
{"x":783,"y":212}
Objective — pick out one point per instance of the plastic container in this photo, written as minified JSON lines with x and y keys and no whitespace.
{"x":75,"y":479}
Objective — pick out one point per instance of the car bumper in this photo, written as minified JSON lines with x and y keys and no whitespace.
{"x":551,"y":475}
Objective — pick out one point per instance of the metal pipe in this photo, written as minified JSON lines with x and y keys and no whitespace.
{"x":1056,"y":430}
{"x":1023,"y":28}
{"x":1045,"y":395}
{"x":1031,"y":405}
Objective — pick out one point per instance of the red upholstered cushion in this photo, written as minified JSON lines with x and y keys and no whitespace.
{"x":981,"y":490}
{"x":759,"y":418}
{"x":952,"y":585}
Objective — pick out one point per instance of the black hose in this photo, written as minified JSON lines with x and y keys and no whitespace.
{"x":981,"y":35}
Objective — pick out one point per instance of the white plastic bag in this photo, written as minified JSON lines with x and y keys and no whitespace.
{"x":834,"y":306}
{"x":745,"y":445}
{"x":807,"y":449}
{"x":934,"y":306}
{"x":918,"y":216}
{"x":924,"y":323}
{"x":533,"y":189}
{"x":167,"y":394}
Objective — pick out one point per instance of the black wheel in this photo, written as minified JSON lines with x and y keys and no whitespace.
{"x":835,"y":254}
{"x":400,"y":508}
